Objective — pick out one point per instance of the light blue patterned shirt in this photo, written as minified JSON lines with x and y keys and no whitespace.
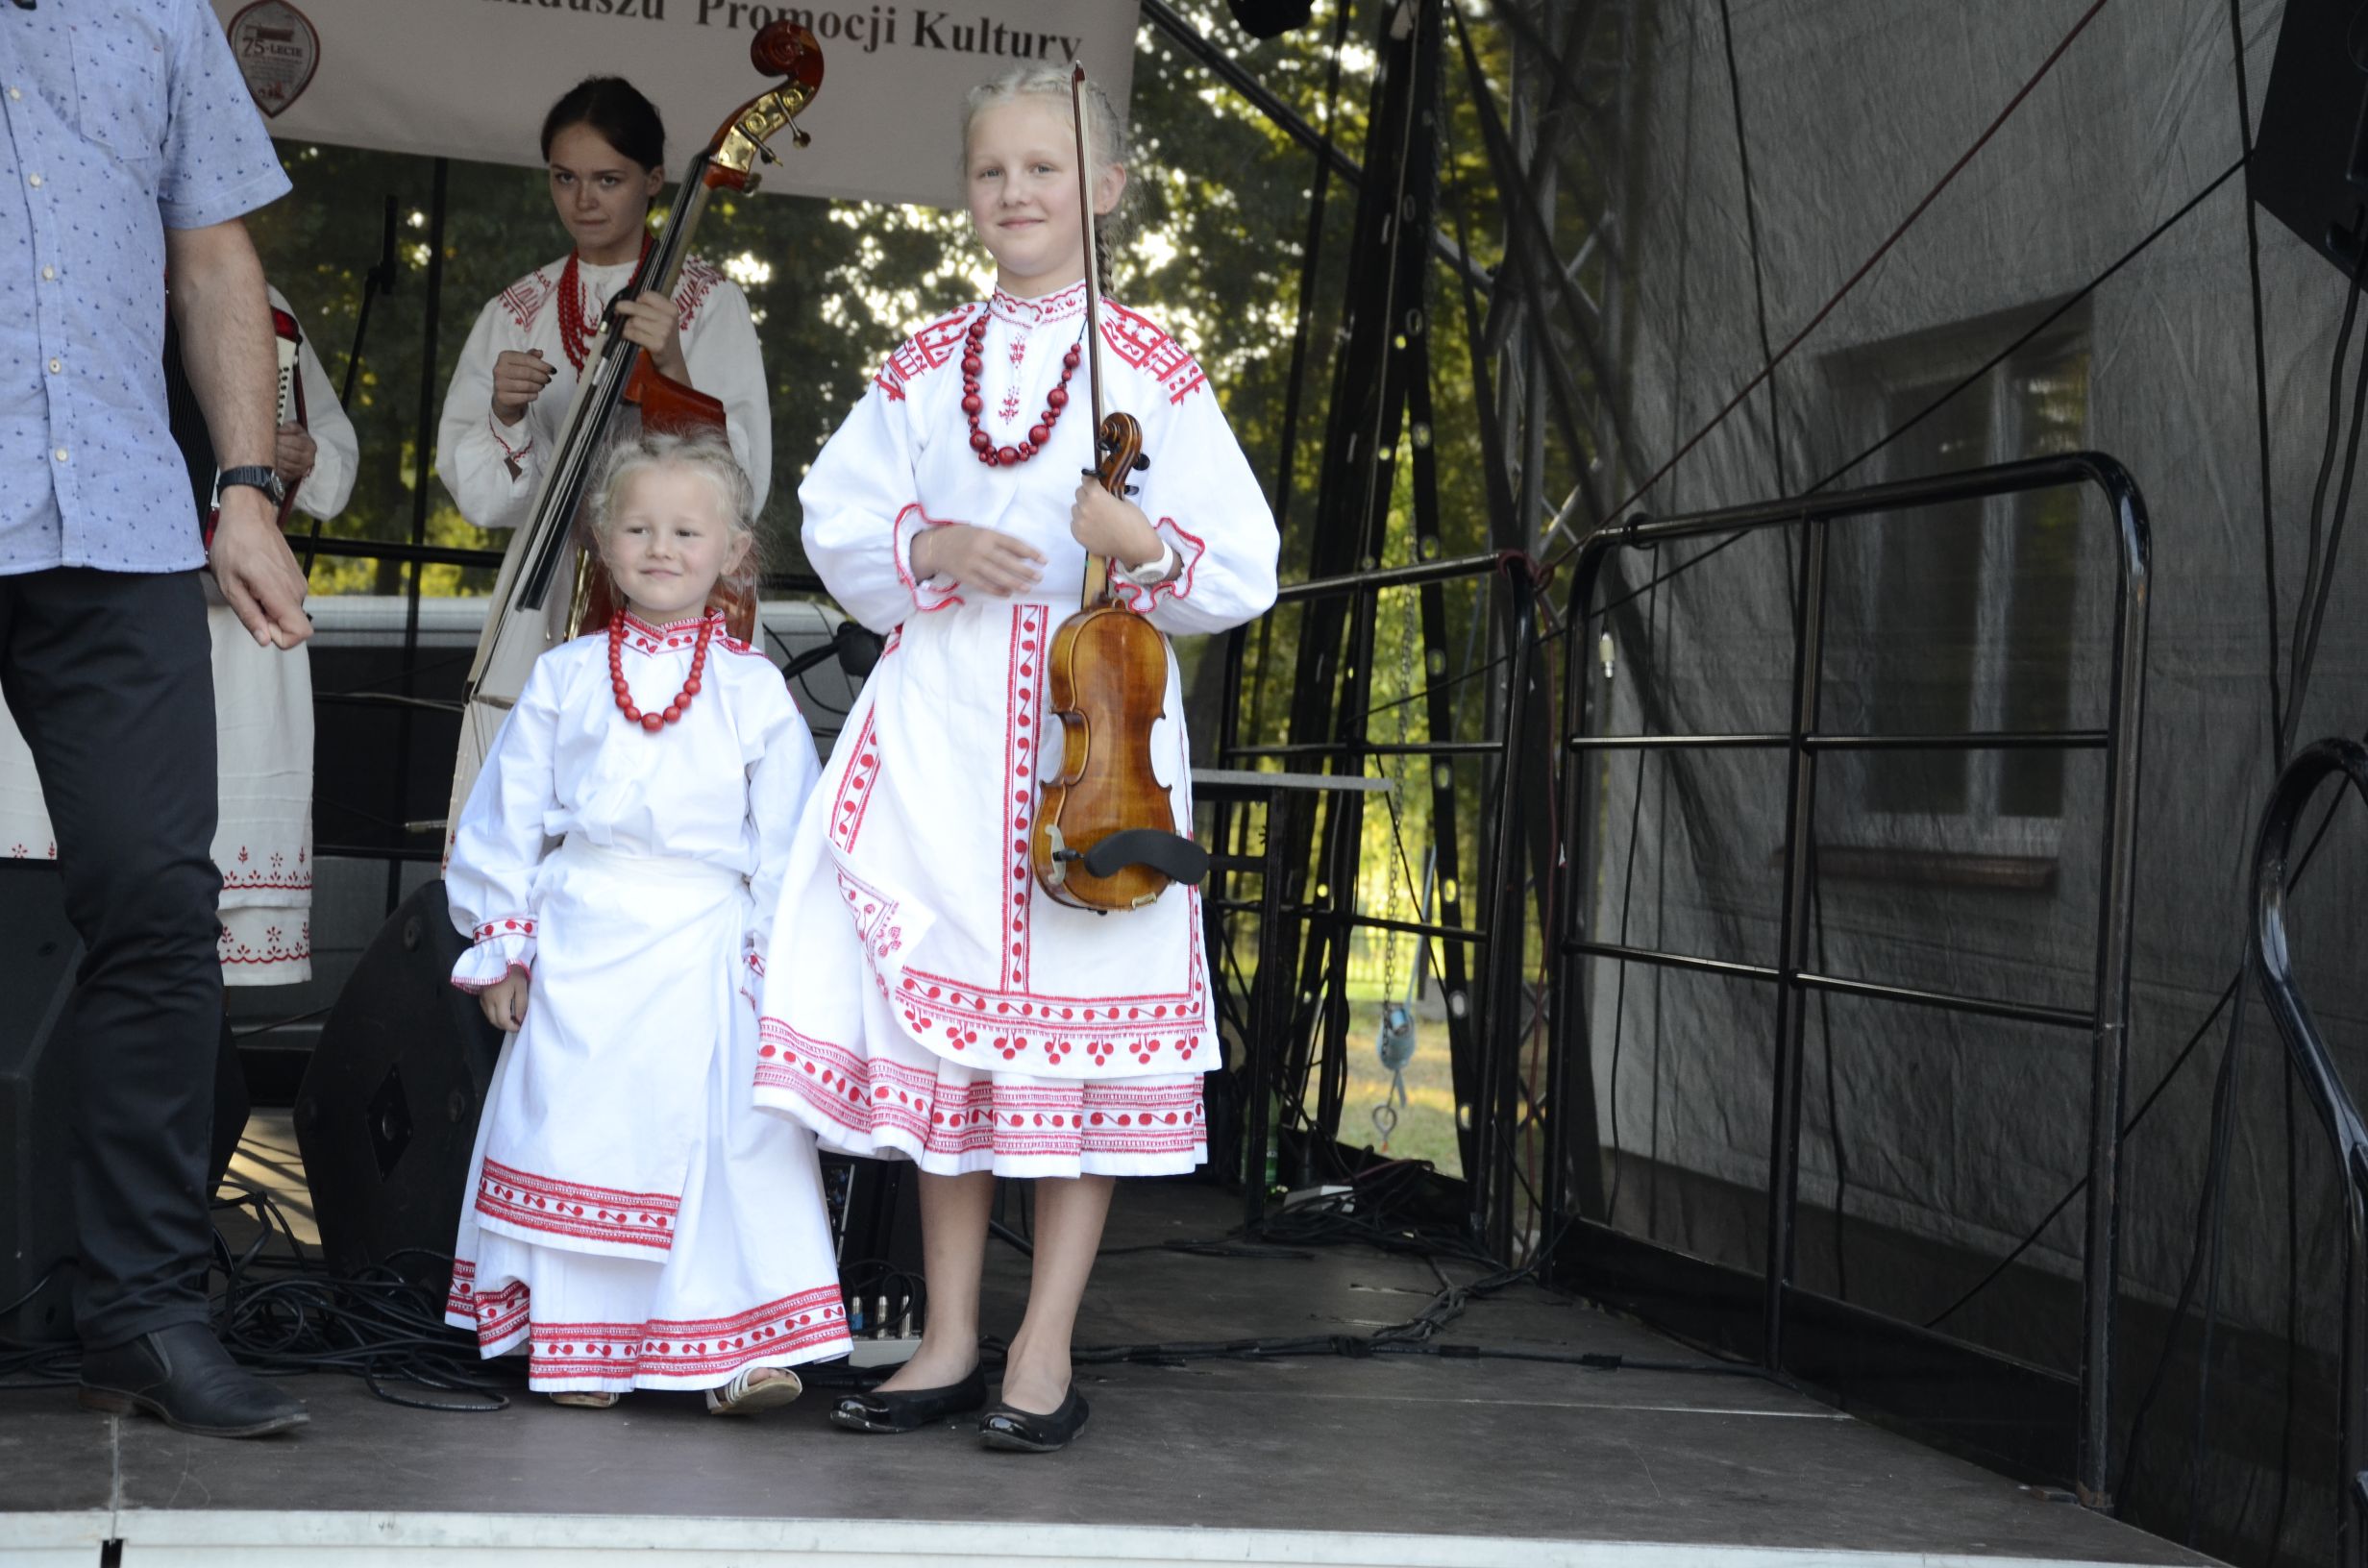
{"x":124,"y":118}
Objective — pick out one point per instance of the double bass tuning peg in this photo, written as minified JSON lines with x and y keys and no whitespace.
{"x":1141,"y":461}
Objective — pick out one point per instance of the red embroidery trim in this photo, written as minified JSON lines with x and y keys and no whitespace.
{"x":657,"y":1348}
{"x":921,"y":352}
{"x":1139,"y":341}
{"x":879,"y":1096}
{"x":855,"y":792}
{"x":593,"y":1214}
{"x":1022,"y":718}
{"x":1189,"y":548}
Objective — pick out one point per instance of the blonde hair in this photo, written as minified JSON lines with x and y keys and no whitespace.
{"x":710,"y":457}
{"x":1105,"y":134}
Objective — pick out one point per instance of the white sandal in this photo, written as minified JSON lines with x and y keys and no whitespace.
{"x":743,"y":1397}
{"x":585,"y":1399}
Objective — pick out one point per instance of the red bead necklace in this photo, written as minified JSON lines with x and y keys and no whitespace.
{"x":974,"y":360}
{"x":681,"y":704}
{"x":576,"y":332}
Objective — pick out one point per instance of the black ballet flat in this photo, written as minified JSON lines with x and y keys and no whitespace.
{"x":1024,"y":1432}
{"x":910,"y":1410}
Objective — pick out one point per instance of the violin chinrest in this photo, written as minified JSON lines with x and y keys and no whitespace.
{"x":1172,"y":855}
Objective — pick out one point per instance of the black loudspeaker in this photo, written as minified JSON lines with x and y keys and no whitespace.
{"x":2310,"y":160}
{"x":39,"y":955}
{"x":1270,"y":18}
{"x":387,"y":1112}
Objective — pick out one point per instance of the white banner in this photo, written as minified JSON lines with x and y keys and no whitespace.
{"x":472,"y":79}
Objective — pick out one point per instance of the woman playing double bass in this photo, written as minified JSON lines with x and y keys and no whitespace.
{"x":606,"y":151}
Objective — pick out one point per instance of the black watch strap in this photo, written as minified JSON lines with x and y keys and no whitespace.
{"x":258,"y":475}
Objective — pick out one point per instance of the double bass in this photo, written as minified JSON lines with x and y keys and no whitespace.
{"x":1105,"y":837}
{"x":620,"y":383}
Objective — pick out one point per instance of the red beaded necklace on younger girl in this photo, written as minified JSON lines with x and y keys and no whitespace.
{"x":974,"y":360}
{"x":674,"y":711}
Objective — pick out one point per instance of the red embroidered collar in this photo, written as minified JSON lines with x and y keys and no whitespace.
{"x":1064,"y":305}
{"x":644,"y":637}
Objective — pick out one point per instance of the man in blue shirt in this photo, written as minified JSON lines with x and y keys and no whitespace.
{"x":130,"y":149}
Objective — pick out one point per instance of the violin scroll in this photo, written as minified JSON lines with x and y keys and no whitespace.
{"x":1118,"y":452}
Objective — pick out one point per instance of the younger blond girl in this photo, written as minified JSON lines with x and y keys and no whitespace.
{"x":631,"y":1221}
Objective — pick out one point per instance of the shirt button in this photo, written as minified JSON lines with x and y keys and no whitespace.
{"x":49,"y":274}
{"x":17,"y":92}
{"x":56,"y":366}
{"x":60,"y":454}
{"x":33,"y":180}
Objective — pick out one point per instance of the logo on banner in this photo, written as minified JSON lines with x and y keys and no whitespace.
{"x":278,"y":50}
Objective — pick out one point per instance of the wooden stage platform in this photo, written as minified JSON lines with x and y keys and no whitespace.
{"x":1322,"y":1460}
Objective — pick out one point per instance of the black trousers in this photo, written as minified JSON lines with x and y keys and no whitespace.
{"x":110,"y":674}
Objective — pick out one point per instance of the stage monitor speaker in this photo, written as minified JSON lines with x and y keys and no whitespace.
{"x":2311,"y":160}
{"x":38,"y":956}
{"x":386,"y":1115}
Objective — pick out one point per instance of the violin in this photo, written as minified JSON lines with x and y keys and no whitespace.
{"x":1105,"y":837}
{"x":619,"y":383}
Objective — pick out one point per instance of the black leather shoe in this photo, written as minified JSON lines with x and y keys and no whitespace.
{"x":1024,"y":1432}
{"x":911,"y":1408}
{"x":183,"y":1376}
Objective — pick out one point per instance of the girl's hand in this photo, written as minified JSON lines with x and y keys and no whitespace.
{"x":1001,"y":564}
{"x":517,"y":379}
{"x":654,"y":322}
{"x":504,"y":1002}
{"x":1112,"y":525}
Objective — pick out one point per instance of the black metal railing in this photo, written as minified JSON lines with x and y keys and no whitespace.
{"x":2105,"y":1021}
{"x":1483,"y":1039}
{"x":2273,"y":871}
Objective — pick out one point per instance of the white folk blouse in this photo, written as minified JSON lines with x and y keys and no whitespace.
{"x":474,"y":453}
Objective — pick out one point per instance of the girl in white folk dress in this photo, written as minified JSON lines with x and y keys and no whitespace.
{"x":631,"y":1220}
{"x":510,"y":394}
{"x":924,"y":998}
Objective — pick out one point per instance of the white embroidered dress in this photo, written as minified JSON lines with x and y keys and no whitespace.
{"x":473,"y":452}
{"x":924,"y":997}
{"x":632,"y":1219}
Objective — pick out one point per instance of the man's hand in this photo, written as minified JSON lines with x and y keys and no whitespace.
{"x":255,"y":570}
{"x":1000,"y":563}
{"x":518,"y":379}
{"x":504,"y":1001}
{"x":293,"y":457}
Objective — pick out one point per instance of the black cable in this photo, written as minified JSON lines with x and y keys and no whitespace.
{"x":2306,"y":650}
{"x":2260,"y":371}
{"x":1751,"y":229}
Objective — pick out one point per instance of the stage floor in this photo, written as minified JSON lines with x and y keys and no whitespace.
{"x":1322,"y":1460}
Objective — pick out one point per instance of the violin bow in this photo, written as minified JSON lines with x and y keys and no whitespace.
{"x":1097,"y":589}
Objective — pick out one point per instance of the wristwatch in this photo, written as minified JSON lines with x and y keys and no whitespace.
{"x":258,"y":475}
{"x":1151,"y":574}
